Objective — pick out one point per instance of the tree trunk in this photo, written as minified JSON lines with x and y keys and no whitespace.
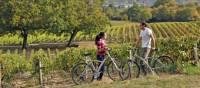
{"x":25,"y":38}
{"x":73,"y":34}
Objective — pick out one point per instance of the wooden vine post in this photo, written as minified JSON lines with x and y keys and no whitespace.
{"x":39,"y":70}
{"x":1,"y":76}
{"x":195,"y":48}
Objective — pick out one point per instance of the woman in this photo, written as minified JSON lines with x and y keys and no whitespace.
{"x":101,"y":51}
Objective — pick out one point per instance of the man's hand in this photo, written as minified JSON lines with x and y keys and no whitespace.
{"x":153,"y":48}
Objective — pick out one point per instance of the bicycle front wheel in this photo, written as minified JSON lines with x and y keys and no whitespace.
{"x":164,"y":65}
{"x":112,"y":71}
{"x":125,"y":72}
{"x":82,"y":73}
{"x":135,"y":69}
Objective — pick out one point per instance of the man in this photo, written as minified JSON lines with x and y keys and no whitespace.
{"x":146,"y":38}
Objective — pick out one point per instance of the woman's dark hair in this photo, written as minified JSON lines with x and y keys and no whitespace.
{"x":99,"y":36}
{"x":144,"y":24}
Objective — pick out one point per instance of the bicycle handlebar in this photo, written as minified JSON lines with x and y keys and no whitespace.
{"x":108,"y":49}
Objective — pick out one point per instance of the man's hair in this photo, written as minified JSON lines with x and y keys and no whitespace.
{"x":144,"y":24}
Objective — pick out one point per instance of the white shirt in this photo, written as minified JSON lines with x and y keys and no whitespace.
{"x":146,"y":37}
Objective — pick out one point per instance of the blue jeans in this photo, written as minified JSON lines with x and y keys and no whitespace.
{"x":101,"y":58}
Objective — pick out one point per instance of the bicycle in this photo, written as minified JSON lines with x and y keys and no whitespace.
{"x":155,"y":65}
{"x":88,"y":71}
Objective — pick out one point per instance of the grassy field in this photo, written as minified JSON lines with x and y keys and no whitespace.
{"x":171,"y":81}
{"x":175,"y":39}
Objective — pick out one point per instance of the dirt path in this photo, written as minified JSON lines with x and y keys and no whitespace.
{"x":50,"y":45}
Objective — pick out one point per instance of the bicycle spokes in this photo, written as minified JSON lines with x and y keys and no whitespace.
{"x":82,"y":73}
{"x":163,"y":64}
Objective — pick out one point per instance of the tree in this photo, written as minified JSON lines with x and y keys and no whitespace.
{"x":188,"y":3}
{"x":187,"y":14}
{"x":192,"y":3}
{"x":139,"y":13}
{"x":56,"y":16}
{"x":109,"y":11}
{"x":23,"y":15}
{"x":84,"y":15}
{"x":164,"y":13}
{"x":163,"y":2}
{"x":115,"y":13}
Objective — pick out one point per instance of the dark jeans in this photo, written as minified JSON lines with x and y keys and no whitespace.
{"x":101,"y":58}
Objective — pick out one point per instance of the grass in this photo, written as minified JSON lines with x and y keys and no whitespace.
{"x":172,"y":81}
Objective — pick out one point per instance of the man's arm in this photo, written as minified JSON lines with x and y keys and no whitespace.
{"x":153,"y":40}
{"x":138,"y":42}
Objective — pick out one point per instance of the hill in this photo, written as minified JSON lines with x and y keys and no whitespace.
{"x":147,"y":2}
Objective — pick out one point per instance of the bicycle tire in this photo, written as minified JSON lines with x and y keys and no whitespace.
{"x":125,"y":71}
{"x":169,"y":66}
{"x":113,"y":73}
{"x":83,"y":79}
{"x":143,"y":68}
{"x":134,"y":69}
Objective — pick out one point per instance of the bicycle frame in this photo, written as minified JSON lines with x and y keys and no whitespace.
{"x":134,"y":56}
{"x":113,"y":61}
{"x":97,"y":71}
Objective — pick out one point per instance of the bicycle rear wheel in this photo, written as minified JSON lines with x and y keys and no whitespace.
{"x":143,"y":69}
{"x":164,"y":65}
{"x":82,"y":73}
{"x":125,"y":70}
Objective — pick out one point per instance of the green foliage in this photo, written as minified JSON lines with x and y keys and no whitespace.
{"x":36,"y":37}
{"x":17,"y":62}
{"x":161,"y":11}
{"x":186,"y":14}
{"x":109,"y":12}
{"x":138,"y":13}
{"x":180,"y":49}
{"x":122,"y":50}
{"x":190,"y":69}
{"x":23,"y":14}
{"x":163,"y":2}
{"x":85,"y":16}
{"x":10,"y":39}
{"x":164,"y":13}
{"x":41,"y":56}
{"x":13,"y":63}
{"x":68,"y":16}
{"x":126,"y":32}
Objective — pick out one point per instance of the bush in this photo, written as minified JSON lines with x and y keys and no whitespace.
{"x":190,"y":69}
